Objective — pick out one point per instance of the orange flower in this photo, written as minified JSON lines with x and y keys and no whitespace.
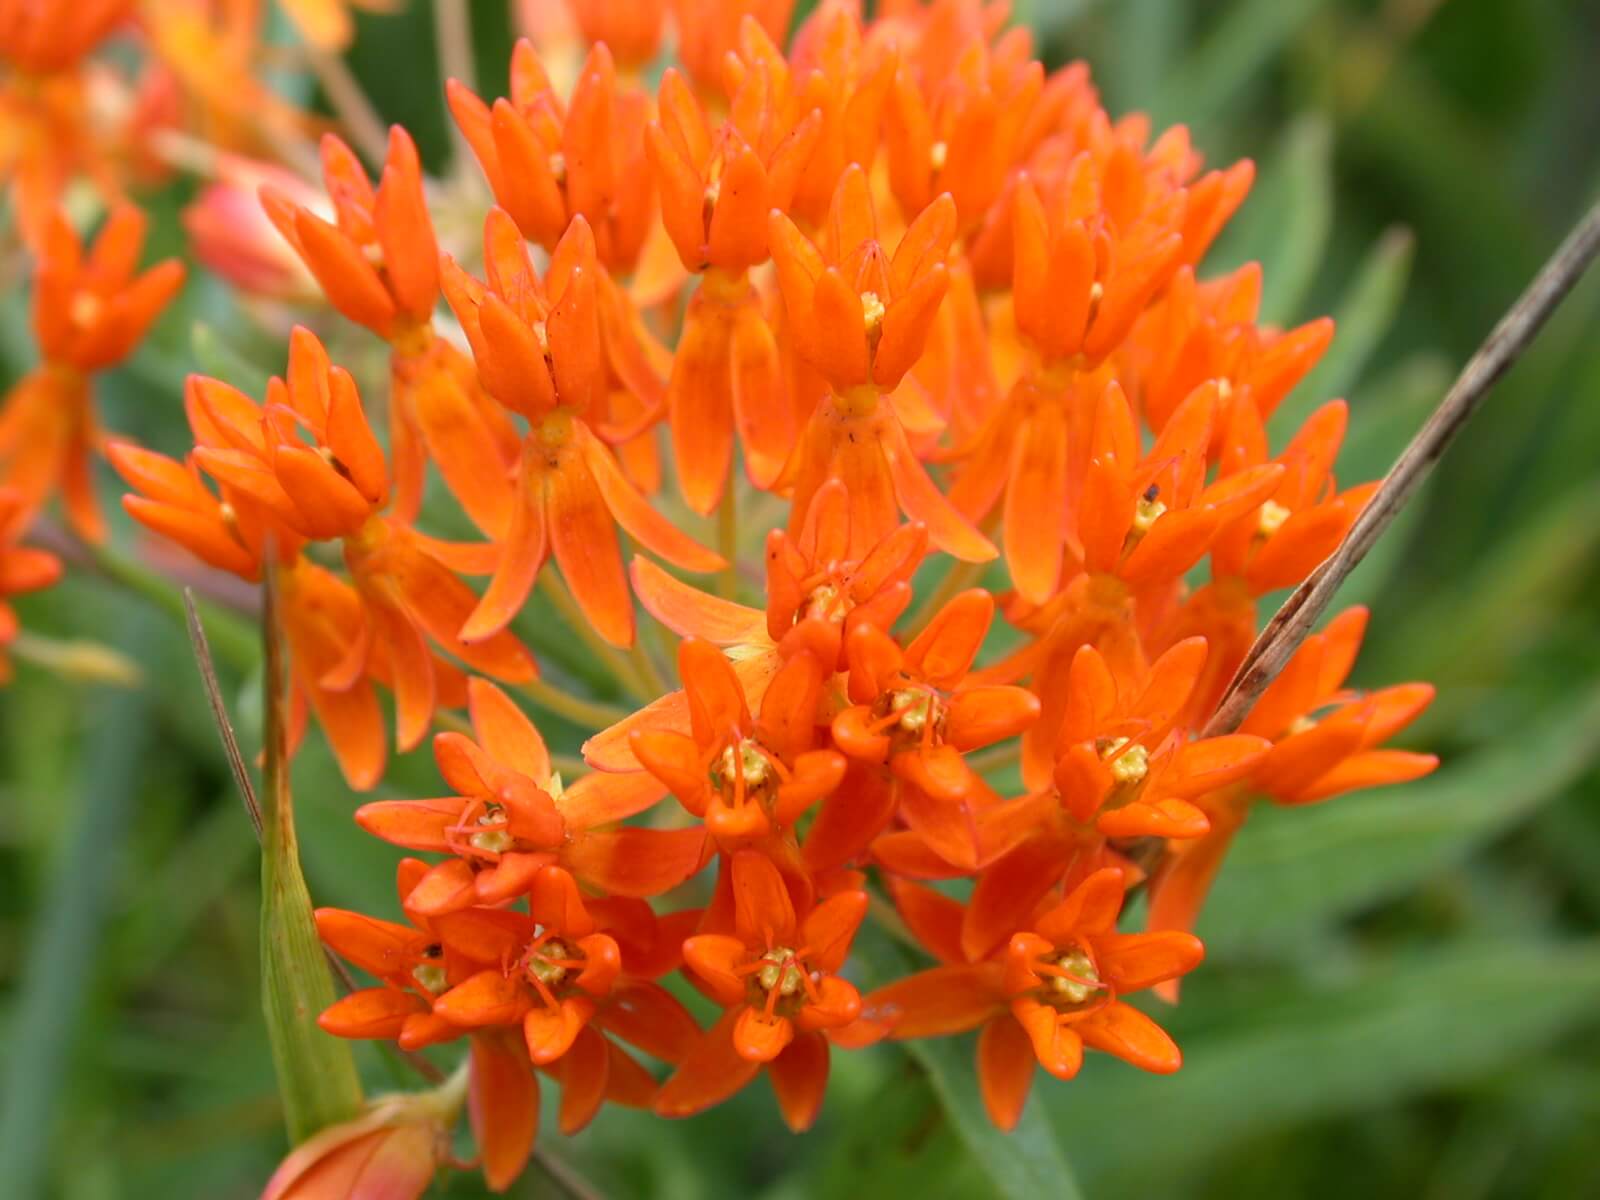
{"x":1325,"y":741}
{"x":412,"y":964}
{"x":1055,"y":988}
{"x":913,"y":711}
{"x":462,"y":955}
{"x":835,"y":73}
{"x":333,"y":488}
{"x":707,"y":30}
{"x":776,"y":976}
{"x":393,"y":1150}
{"x":717,"y":188}
{"x":631,"y":31}
{"x":961,"y":112}
{"x":556,"y":974}
{"x":1201,"y":331}
{"x":231,"y":235}
{"x":743,"y":777}
{"x":379,"y":266}
{"x":51,"y":136}
{"x":22,"y":569}
{"x":816,"y":594}
{"x":510,"y":818}
{"x":548,"y":161}
{"x":861,"y":318}
{"x":1324,"y":738}
{"x":538,"y":348}
{"x":1123,"y":764}
{"x":89,"y":311}
{"x":329,"y":25}
{"x":1273,"y":546}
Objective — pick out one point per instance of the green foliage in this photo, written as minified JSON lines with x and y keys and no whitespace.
{"x":1402,"y":997}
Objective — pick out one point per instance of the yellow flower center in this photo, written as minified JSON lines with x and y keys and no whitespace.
{"x":1273,"y":515}
{"x":546,"y":964}
{"x":872,"y":311}
{"x":1129,"y":764}
{"x":780,"y":972}
{"x":494,"y":839}
{"x":1078,"y":982}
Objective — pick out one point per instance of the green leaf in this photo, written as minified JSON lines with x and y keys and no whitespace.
{"x":64,"y":945}
{"x":1284,"y":224}
{"x":1246,"y":40}
{"x":1024,"y":1164}
{"x":316,"y":1072}
{"x":1365,"y":314}
{"x":1292,"y":869}
{"x":1386,"y":1031}
{"x":214,"y":355}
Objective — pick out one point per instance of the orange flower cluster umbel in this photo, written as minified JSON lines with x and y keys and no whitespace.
{"x":941,"y":324}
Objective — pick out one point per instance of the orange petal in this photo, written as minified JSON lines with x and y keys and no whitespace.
{"x":635,"y":514}
{"x":504,"y":1106}
{"x":1126,"y":1032}
{"x":940,"y":1001}
{"x":799,"y":1078}
{"x":1005,"y":1070}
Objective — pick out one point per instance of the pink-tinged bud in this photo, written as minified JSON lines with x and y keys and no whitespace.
{"x":232,"y":236}
{"x":393,"y":1151}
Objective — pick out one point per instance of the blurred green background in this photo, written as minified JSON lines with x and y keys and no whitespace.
{"x":1402,"y":995}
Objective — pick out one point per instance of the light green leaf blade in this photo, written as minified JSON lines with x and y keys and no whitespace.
{"x":1024,"y":1164}
{"x":1021,"y":1165}
{"x":1242,"y":43}
{"x":1284,"y":224}
{"x":1364,"y":315}
{"x":1291,"y":870}
{"x":1383,"y":1032}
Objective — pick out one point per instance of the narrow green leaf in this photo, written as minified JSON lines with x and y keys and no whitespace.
{"x":1024,"y":1164}
{"x":1149,"y":35}
{"x":1284,"y":224}
{"x":64,"y":945}
{"x":1365,"y":314}
{"x":216,"y":357}
{"x":316,"y":1072}
{"x":1385,"y":1032}
{"x":1293,"y":869}
{"x":1252,"y":34}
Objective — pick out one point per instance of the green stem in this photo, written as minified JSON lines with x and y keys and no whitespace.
{"x":996,"y":758}
{"x":316,"y":1072}
{"x":648,"y":671}
{"x":621,"y":667}
{"x":728,"y":542}
{"x":587,"y":714}
{"x":958,"y":578}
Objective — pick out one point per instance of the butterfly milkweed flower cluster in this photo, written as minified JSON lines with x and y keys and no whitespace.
{"x":881,"y":369}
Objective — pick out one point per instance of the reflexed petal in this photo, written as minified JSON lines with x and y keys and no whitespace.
{"x":504,"y":1105}
{"x":1005,"y":1070}
{"x":585,"y":1072}
{"x":1123,"y":1030}
{"x":939,"y":1001}
{"x":799,"y":1077}
{"x":709,"y":1074}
